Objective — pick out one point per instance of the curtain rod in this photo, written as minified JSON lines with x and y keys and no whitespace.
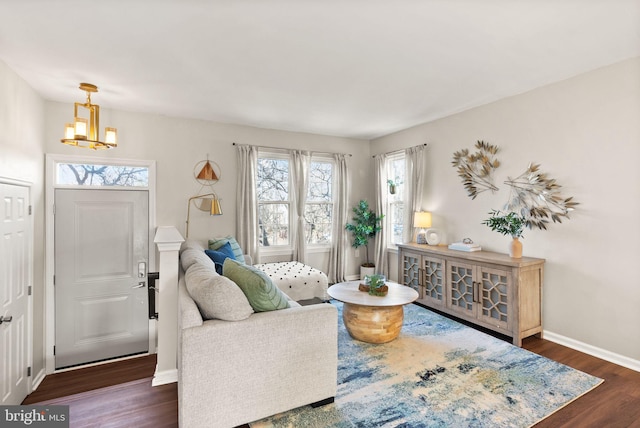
{"x":282,"y":148}
{"x":398,"y":151}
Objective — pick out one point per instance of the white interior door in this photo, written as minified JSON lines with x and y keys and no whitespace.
{"x":101,"y":250}
{"x":14,"y":291}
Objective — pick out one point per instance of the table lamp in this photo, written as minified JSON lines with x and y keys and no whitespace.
{"x":421,"y":220}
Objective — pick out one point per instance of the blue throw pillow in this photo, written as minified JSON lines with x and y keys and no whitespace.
{"x":220,"y":255}
{"x":216,"y":243}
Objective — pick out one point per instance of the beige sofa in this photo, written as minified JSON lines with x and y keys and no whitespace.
{"x":235,"y":372}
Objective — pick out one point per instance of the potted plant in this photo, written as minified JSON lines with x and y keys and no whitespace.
{"x":393,"y":185}
{"x":508,"y":224}
{"x":377,"y":286}
{"x":365,"y":226}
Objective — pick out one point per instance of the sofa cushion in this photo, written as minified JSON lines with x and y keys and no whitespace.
{"x":192,"y":243}
{"x":220,"y":255}
{"x":192,"y":256}
{"x":262,"y":293}
{"x":216,"y":243}
{"x":216,"y":296}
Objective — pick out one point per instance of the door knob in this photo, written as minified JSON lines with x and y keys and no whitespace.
{"x":7,"y":319}
{"x":140,"y":285}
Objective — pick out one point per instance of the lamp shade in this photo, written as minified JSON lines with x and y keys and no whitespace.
{"x":422,"y":219}
{"x":69,"y":131}
{"x":81,"y":128}
{"x":216,"y":209}
{"x":111,"y":136}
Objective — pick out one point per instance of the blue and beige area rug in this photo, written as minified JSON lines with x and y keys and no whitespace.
{"x":439,"y":373}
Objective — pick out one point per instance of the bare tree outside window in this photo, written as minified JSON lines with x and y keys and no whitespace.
{"x":396,"y":173}
{"x":102,"y":175}
{"x":319,"y":206}
{"x":273,"y":201}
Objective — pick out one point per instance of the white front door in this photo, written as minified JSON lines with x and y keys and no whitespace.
{"x":101,"y":250}
{"x":15,"y":227}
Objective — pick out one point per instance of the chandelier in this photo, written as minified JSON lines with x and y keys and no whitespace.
{"x":84,"y":131}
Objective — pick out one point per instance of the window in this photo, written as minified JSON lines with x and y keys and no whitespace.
{"x":275,"y":210}
{"x":274,"y":200}
{"x":82,"y":174}
{"x":319,"y":207}
{"x":395,"y":201}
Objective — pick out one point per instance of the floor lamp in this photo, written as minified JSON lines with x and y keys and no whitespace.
{"x":209,"y":202}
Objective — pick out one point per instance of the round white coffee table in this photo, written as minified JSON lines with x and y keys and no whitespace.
{"x":372,"y":319}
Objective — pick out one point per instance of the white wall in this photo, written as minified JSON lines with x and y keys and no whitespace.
{"x":21,"y":158}
{"x":179,"y":144}
{"x":585,"y":132}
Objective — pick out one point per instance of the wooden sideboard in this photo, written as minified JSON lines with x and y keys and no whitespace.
{"x":488,"y":289}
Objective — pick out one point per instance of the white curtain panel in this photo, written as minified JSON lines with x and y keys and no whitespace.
{"x":415,"y":159}
{"x":339,"y":243}
{"x":247,"y":201}
{"x":380,"y":254}
{"x":300,"y":176}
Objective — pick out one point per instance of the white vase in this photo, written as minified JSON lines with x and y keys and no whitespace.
{"x":364,"y":271}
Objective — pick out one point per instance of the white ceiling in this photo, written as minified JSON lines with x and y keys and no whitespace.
{"x":354,"y":68}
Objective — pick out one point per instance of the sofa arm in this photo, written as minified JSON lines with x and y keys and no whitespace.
{"x":188,"y":313}
{"x":232,"y":373}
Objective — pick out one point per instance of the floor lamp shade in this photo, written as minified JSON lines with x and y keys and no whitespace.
{"x":209,"y":202}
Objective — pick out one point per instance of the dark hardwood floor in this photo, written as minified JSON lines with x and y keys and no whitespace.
{"x":120,"y":394}
{"x":615,"y":403}
{"x":117,"y":394}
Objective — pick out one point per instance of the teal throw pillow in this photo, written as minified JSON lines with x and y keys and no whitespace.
{"x":220,"y":255}
{"x":262,"y":293}
{"x":216,"y":243}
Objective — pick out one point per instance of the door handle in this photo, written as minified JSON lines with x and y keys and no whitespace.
{"x":140,"y":285}
{"x":7,"y":319}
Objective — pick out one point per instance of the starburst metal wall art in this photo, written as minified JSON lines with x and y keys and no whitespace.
{"x":537,"y":198}
{"x":533,"y":194}
{"x":476,"y":169}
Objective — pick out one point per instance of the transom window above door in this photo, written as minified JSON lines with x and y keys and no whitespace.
{"x":87,"y":174}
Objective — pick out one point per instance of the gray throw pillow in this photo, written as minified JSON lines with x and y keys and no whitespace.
{"x":215,"y":295}
{"x":262,"y":293}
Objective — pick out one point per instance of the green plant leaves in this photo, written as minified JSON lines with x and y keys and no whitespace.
{"x":365,"y":225}
{"x":507,"y":224}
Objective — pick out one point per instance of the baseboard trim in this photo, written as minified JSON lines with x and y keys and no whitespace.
{"x":37,"y":379}
{"x":165,"y":377}
{"x":352,"y":277}
{"x":612,"y":357}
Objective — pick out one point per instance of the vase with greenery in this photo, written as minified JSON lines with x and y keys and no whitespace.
{"x":377,"y":286}
{"x":392,"y":187}
{"x":364,"y":227}
{"x":508,"y":224}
